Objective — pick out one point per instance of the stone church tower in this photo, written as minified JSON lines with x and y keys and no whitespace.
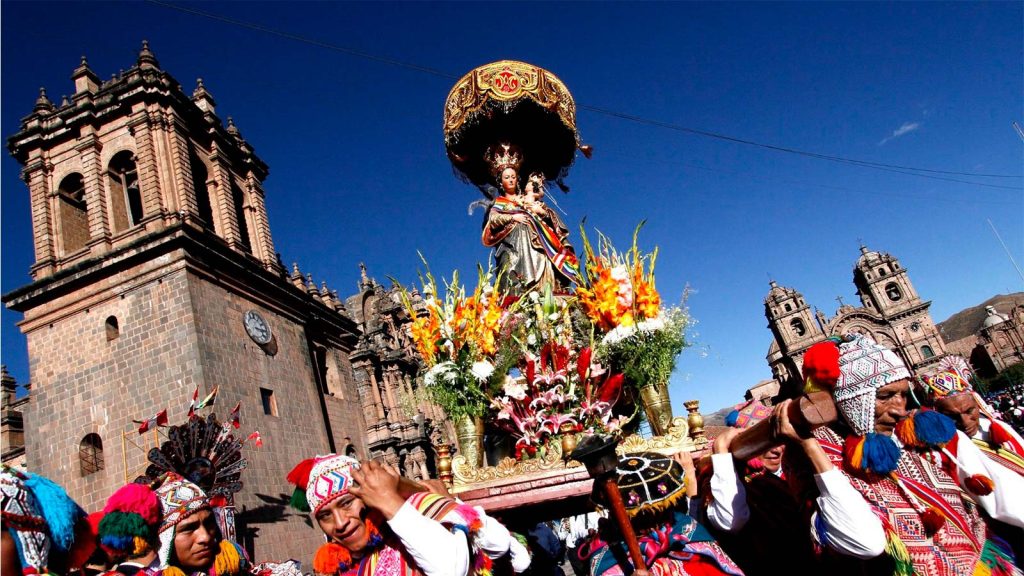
{"x":793,"y":327}
{"x":891,"y":312}
{"x":155,"y":272}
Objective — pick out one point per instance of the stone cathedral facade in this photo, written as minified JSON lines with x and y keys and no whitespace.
{"x":891,"y":312}
{"x":155,"y":272}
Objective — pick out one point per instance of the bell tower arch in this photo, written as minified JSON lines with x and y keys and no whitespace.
{"x":885,"y":289}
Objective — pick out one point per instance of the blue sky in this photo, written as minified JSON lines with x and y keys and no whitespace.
{"x":358,"y":170}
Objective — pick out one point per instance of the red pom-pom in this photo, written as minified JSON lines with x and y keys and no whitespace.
{"x":329,"y":558}
{"x":933,"y":520}
{"x":299,"y":476}
{"x":136,"y":498}
{"x":998,"y":434}
{"x":821,"y":364}
{"x":980,"y":484}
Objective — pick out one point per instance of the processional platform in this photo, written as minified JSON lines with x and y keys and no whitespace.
{"x":553,"y":486}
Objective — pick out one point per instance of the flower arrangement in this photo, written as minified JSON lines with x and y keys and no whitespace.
{"x":619,"y":290}
{"x":556,"y":389}
{"x":457,"y":337}
{"x":544,"y":365}
{"x":637,"y":334}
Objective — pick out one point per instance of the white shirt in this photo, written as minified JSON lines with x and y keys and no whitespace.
{"x":852,"y":527}
{"x":1001,"y":504}
{"x":435,"y":550}
{"x":984,"y":432}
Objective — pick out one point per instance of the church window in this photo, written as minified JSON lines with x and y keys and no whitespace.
{"x":868,"y":276}
{"x":893,"y":292}
{"x":798,"y":327}
{"x":238,"y":201}
{"x":200,"y":176}
{"x":926,"y":351}
{"x":788,"y":308}
{"x":881,"y":271}
{"x":125,"y":195}
{"x":112,"y":328}
{"x":269,"y":402}
{"x":895,"y":265}
{"x":90,"y":454}
{"x":74,"y":219}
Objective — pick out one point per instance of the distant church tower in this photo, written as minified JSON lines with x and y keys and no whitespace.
{"x":891,"y":313}
{"x":155,"y":272}
{"x":885,"y":289}
{"x":794,"y":329}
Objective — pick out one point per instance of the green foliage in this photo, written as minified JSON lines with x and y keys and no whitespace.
{"x":1011,"y":376}
{"x":649,"y":357}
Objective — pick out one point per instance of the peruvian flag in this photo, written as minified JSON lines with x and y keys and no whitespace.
{"x":159,"y":420}
{"x":234,"y":416}
{"x":192,"y":404}
{"x":256,"y":436}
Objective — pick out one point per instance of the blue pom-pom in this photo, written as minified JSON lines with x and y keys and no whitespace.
{"x":120,"y":543}
{"x":59,"y":510}
{"x":880,"y":454}
{"x":933,"y":429}
{"x":731,"y":419}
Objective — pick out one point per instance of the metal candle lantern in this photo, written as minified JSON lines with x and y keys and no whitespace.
{"x":597,"y":453}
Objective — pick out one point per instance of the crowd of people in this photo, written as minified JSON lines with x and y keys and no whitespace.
{"x":918,"y":475}
{"x":1008,"y":405}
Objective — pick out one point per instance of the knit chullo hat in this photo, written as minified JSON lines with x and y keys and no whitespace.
{"x":864,"y":367}
{"x":946,"y":385}
{"x":321,"y":480}
{"x":179,"y":499}
{"x":130,"y":523}
{"x":41,"y":517}
{"x":747,"y":414}
{"x":648,"y":482}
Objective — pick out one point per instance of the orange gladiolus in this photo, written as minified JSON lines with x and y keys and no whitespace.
{"x":424,"y":333}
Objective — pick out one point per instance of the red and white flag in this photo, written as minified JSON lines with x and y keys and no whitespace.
{"x":256,"y":436}
{"x":192,"y":404}
{"x":234,"y":416}
{"x":159,"y":420}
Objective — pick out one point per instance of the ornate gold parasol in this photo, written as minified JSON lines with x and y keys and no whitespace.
{"x":516,"y":102}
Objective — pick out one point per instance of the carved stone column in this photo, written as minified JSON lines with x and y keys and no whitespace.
{"x":95,"y":194}
{"x":35,"y":175}
{"x":146,"y":163}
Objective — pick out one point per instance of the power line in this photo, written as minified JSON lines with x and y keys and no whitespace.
{"x":907,"y":170}
{"x":862,"y":163}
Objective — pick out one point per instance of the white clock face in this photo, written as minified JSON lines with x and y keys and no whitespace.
{"x":257,"y":327}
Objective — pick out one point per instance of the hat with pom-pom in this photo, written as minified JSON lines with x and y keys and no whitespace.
{"x":179,"y":499}
{"x":864,"y":367}
{"x":321,"y":480}
{"x":42,"y":518}
{"x":130,"y":523}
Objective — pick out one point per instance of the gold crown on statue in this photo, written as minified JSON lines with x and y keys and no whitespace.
{"x":502,"y":156}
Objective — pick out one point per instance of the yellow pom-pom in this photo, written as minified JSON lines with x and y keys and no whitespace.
{"x":173,"y":571}
{"x":227,"y":562}
{"x":141,"y":546}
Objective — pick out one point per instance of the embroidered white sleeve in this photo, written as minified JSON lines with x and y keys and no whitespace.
{"x":493,"y":538}
{"x":1001,"y":504}
{"x":520,"y":556}
{"x":850,"y":526}
{"x":728,"y":507}
{"x":435,"y":550}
